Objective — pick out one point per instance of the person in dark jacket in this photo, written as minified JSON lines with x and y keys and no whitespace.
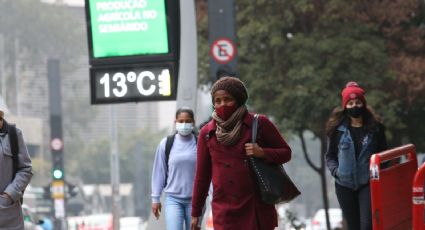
{"x":224,"y":146}
{"x":354,"y":134}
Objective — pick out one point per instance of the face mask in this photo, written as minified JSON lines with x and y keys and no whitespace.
{"x":184,"y":129}
{"x":355,"y":112}
{"x":225,"y":112}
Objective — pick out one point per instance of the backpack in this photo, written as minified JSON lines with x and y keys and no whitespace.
{"x":13,"y":138}
{"x":168,"y":145}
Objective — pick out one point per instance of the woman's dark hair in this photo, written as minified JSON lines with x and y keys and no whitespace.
{"x":370,"y":120}
{"x":185,"y":110}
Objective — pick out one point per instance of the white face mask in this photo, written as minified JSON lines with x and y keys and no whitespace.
{"x":184,"y":129}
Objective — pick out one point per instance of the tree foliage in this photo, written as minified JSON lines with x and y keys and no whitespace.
{"x":299,"y":60}
{"x":202,"y":36}
{"x":297,"y":55}
{"x":93,"y":163}
{"x":32,"y":32}
{"x":42,"y":30}
{"x":136,"y":153}
{"x":402,"y":24}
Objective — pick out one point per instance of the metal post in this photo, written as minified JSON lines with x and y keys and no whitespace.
{"x":222,"y":36}
{"x":17,"y":78}
{"x":188,"y":80}
{"x":56,"y":143}
{"x":115,"y":170}
{"x":2,"y":65}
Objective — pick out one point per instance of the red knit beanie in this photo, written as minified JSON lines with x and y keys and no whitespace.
{"x":352,"y":91}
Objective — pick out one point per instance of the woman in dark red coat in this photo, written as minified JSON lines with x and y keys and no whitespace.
{"x":224,"y":145}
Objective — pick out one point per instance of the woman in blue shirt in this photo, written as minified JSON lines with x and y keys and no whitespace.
{"x":354,"y":135}
{"x":175,"y":176}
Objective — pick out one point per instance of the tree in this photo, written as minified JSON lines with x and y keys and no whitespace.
{"x":203,"y":46}
{"x":298,"y":55}
{"x":42,"y":30}
{"x":137,"y":152}
{"x":402,"y":24}
{"x":33,"y":31}
{"x":93,"y":165}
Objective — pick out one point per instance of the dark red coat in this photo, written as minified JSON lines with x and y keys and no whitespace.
{"x":236,"y":202}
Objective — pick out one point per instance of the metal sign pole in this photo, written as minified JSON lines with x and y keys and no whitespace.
{"x":115,"y":170}
{"x":222,"y":36}
{"x":188,"y":80}
{"x":2,"y":65}
{"x":58,"y":173}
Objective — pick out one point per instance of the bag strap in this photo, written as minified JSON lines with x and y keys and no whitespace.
{"x":168,"y":145}
{"x":13,"y":138}
{"x":254,"y":128}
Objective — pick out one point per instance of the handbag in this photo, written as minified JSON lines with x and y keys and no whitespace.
{"x":274,"y":184}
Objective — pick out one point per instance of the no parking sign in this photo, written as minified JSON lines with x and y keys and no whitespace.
{"x":223,"y":50}
{"x":56,"y":144}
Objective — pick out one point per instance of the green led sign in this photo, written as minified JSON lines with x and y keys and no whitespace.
{"x":128,"y":27}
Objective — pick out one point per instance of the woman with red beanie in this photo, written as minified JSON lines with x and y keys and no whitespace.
{"x":354,"y":134}
{"x":224,"y":147}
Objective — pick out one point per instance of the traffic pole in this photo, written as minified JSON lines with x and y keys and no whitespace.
{"x":222,"y":37}
{"x":56,"y":144}
{"x":188,"y":67}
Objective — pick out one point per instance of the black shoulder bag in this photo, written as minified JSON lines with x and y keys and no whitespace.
{"x":275,"y":185}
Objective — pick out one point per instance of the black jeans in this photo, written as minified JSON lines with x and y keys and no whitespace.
{"x":356,"y":206}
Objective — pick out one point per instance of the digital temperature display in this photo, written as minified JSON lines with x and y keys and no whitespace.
{"x":132,"y":83}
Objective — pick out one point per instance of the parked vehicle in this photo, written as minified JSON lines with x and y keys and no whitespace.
{"x":132,"y":223}
{"x":31,"y":222}
{"x":318,"y":222}
{"x":47,"y":224}
{"x":104,"y":222}
{"x":90,"y":222}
